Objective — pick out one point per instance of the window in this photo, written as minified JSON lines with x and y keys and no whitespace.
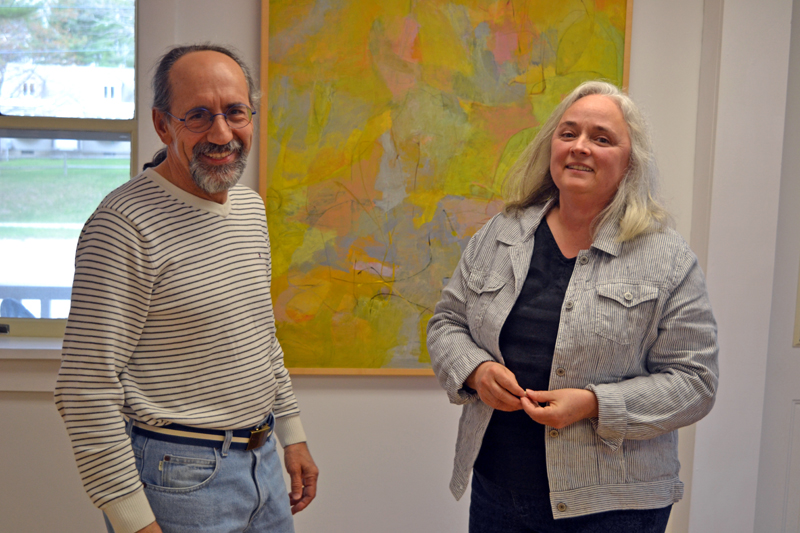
{"x":67,"y":132}
{"x":70,"y":49}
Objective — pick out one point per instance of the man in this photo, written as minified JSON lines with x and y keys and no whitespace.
{"x":171,"y":328}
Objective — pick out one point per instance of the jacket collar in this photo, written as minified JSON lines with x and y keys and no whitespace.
{"x":606,"y":238}
{"x":528,"y":221}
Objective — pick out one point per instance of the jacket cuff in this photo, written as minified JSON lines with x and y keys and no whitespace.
{"x":457,"y":390}
{"x":131,"y":513}
{"x":611,"y":422}
{"x":289,"y":430}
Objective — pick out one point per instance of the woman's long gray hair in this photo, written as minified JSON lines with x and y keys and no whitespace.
{"x":636,"y":206}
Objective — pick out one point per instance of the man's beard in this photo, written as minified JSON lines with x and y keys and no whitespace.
{"x":217,"y":178}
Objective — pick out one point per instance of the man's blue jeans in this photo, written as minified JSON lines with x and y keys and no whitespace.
{"x":198,"y":489}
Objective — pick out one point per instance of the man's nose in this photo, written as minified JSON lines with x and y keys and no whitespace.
{"x":220,"y":132}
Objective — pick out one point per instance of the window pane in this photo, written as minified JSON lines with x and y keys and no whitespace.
{"x":48,"y":188}
{"x":68,"y":58}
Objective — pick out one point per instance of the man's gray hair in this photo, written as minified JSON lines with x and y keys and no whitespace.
{"x":636,"y":205}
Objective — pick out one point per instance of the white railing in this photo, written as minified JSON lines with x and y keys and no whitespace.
{"x":45,"y":295}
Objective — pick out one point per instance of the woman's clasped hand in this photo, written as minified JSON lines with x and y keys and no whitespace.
{"x":498,"y":388}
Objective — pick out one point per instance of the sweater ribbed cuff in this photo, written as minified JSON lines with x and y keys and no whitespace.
{"x":130,"y":514}
{"x":289,"y":430}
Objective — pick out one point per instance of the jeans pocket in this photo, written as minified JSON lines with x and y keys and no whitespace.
{"x":169,"y":468}
{"x":189,"y":473}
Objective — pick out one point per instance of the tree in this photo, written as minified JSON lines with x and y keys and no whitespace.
{"x":67,"y":32}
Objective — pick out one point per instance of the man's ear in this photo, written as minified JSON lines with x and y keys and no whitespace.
{"x":160,"y":123}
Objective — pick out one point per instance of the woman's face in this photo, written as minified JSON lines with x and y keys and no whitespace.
{"x":590,"y":150}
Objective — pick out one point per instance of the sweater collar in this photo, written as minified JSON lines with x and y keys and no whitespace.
{"x":222,"y":210}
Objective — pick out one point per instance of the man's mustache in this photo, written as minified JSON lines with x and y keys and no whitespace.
{"x":207,"y":148}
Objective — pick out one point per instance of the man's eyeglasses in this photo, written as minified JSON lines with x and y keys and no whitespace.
{"x":200,"y":119}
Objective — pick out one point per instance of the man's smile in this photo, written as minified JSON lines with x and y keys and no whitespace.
{"x":214,"y":154}
{"x":219,"y":156}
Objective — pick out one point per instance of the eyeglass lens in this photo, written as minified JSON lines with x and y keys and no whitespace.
{"x":200,"y":119}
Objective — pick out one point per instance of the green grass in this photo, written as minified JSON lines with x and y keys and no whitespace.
{"x":37,"y":190}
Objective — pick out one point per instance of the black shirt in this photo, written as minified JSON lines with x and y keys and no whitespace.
{"x":512,"y":453}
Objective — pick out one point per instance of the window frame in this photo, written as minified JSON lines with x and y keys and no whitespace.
{"x":54,"y":327}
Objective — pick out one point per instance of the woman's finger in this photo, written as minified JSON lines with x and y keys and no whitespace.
{"x":532,"y":409}
{"x":540,"y":396}
{"x":496,"y":386}
{"x":508,"y":381}
{"x":497,"y":397}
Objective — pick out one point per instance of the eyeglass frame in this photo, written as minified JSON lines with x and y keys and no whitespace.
{"x":213,"y":116}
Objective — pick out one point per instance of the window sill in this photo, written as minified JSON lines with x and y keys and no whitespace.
{"x":29,"y":364}
{"x":30,"y":348}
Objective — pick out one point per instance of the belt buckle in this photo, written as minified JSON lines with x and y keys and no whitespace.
{"x":258,"y":437}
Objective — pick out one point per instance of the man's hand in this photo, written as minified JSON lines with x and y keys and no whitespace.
{"x":303,"y":473}
{"x":496,"y":386}
{"x":560,"y":408}
{"x":152,"y":528}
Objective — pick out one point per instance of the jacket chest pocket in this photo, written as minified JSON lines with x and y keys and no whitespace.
{"x":624,"y":310}
{"x":483,"y":289}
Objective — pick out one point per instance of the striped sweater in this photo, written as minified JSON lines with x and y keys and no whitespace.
{"x":171,"y":321}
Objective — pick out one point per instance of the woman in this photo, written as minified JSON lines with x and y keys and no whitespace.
{"x":578,"y":335}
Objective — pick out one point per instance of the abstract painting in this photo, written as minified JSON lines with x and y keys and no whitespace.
{"x":390,"y":127}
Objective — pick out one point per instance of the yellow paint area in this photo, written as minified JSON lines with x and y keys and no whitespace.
{"x":391,"y":127}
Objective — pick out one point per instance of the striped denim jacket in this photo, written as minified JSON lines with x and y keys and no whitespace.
{"x":636,"y":328}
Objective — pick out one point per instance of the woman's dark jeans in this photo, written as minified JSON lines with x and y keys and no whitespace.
{"x":494,"y":509}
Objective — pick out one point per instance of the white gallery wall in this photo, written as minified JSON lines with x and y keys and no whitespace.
{"x":751,"y":112}
{"x":778,"y":493}
{"x":384,"y":445}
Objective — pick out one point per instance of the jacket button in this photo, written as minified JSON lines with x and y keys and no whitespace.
{"x":569,"y":305}
{"x":561,"y":372}
{"x":554,"y":433}
{"x":583,"y":260}
{"x":628,"y":296}
{"x":561,"y":506}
